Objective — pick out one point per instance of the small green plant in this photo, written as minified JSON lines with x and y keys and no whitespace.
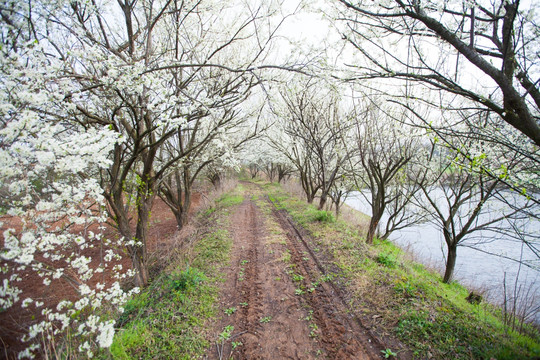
{"x":230,"y":311}
{"x":236,"y":344}
{"x":243,"y":304}
{"x":226,"y":333}
{"x":244,"y":262}
{"x":314,"y":330}
{"x":286,"y":256}
{"x":388,"y":260}
{"x":309,"y":316}
{"x":241,"y":274}
{"x":277,"y":278}
{"x":326,"y":278}
{"x":324,"y":216}
{"x":187,"y":278}
{"x":406,"y":288}
{"x":415,"y":325}
{"x":387,"y":353}
{"x":265,"y":319}
{"x":297,"y":277}
{"x":299,"y":292}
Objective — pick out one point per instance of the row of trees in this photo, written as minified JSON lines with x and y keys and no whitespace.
{"x":469,"y":77}
{"x":337,"y":144}
{"x":450,"y":123}
{"x":104,"y":106}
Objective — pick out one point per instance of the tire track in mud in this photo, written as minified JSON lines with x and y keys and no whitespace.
{"x":247,"y":278}
{"x":344,"y":337}
{"x":269,"y":320}
{"x":278,"y":311}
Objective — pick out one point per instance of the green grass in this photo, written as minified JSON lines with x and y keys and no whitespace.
{"x":388,"y":260}
{"x":433,"y":319}
{"x":166,"y":319}
{"x":169,"y":319}
{"x":321,"y":215}
{"x":228,"y":200}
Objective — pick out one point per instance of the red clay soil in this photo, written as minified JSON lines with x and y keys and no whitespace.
{"x":14,"y":322}
{"x":273,"y":319}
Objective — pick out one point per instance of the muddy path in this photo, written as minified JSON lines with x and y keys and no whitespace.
{"x":276,"y":302}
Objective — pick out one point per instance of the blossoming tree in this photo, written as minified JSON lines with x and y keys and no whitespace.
{"x":91,"y":93}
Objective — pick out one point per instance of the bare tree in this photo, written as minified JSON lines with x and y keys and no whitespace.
{"x":197,"y":146}
{"x":494,"y":37}
{"x":253,"y":170}
{"x":461,"y":201}
{"x":340,"y":191}
{"x":270,"y":170}
{"x":284,"y":171}
{"x":314,"y":125}
{"x":382,"y":169}
{"x":275,"y":169}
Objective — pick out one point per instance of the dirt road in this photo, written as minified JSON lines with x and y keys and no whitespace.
{"x":277,"y":303}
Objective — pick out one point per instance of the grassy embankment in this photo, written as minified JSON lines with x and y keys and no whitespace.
{"x":404,"y":298}
{"x":170,"y":318}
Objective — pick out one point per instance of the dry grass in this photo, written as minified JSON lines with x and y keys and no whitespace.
{"x":293,"y":187}
{"x":179,"y":246}
{"x":211,"y":195}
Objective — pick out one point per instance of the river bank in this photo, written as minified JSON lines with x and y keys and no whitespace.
{"x":489,"y":267}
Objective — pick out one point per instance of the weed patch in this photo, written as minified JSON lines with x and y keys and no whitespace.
{"x":323,"y":216}
{"x":165,"y":321}
{"x":388,"y":260}
{"x":228,"y":200}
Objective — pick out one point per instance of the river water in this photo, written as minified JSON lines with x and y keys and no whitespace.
{"x":474,"y":268}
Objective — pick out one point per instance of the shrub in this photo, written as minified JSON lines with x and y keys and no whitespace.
{"x":324,"y":216}
{"x":388,"y":260}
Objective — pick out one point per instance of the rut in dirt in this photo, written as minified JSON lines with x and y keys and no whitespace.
{"x":276,"y":301}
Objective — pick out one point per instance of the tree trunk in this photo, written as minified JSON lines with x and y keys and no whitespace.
{"x":372,"y":230}
{"x":181,"y":210}
{"x":378,"y":209}
{"x":216,"y":180}
{"x":145,"y":198}
{"x":450,"y":263}
{"x":138,"y":258}
{"x":138,"y":252}
{"x":184,"y":211}
{"x":282,"y":172}
{"x":322,"y":202}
